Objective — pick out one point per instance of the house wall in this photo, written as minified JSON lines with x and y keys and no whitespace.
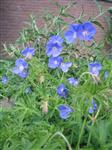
{"x":13,"y":14}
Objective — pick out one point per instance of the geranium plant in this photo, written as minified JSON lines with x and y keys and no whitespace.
{"x":59,"y":87}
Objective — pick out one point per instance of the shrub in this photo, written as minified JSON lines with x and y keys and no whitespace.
{"x":58,"y":87}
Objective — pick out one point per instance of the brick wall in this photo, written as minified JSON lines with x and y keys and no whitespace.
{"x":13,"y":13}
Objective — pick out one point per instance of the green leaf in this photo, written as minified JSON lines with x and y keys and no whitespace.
{"x":98,"y":24}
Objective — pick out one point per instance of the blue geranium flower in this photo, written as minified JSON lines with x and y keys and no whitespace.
{"x":73,"y":81}
{"x":86,"y":31}
{"x":65,"y":66}
{"x":90,"y":110}
{"x":62,"y":91}
{"x":55,"y":39}
{"x":94,"y":68}
{"x":94,"y":105}
{"x":64,"y":111}
{"x":71,"y":33}
{"x":53,"y":49}
{"x":53,"y":46}
{"x":20,"y":68}
{"x":28,"y":52}
{"x":54,"y":62}
{"x":93,"y":108}
{"x":4,"y":79}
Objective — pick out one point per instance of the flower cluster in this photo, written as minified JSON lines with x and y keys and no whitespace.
{"x":83,"y":31}
{"x":21,"y":66}
{"x":54,"y":47}
{"x":53,"y":50}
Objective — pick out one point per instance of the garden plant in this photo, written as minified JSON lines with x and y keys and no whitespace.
{"x":56,"y":87}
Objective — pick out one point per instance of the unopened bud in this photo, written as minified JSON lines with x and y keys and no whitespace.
{"x":45,"y":107}
{"x":41,"y":79}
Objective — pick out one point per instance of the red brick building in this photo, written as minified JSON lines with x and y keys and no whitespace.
{"x":13,"y":14}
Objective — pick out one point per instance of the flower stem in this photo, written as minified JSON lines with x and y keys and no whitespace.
{"x":81,"y":133}
{"x":89,"y":138}
{"x":65,"y":139}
